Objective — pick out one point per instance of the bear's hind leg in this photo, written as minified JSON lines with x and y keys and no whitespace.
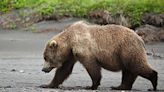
{"x":128,"y":79}
{"x":153,"y":77}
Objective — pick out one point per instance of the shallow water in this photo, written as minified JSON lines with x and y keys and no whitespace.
{"x":21,"y":62}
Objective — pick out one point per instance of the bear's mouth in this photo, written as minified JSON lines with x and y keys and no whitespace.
{"x":47,"y":70}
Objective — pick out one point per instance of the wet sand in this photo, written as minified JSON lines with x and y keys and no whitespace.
{"x":21,"y":62}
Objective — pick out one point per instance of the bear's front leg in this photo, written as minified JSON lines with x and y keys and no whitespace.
{"x":94,"y":71}
{"x":61,"y":74}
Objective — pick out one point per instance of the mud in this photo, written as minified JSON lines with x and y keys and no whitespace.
{"x":21,"y":62}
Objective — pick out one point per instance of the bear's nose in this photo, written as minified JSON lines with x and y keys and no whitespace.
{"x":43,"y":70}
{"x":47,"y":70}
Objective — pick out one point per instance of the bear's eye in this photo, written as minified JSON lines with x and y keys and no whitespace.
{"x":45,"y":58}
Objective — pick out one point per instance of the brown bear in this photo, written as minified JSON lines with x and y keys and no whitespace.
{"x":112,"y":47}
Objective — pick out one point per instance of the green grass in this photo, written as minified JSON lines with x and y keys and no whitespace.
{"x":79,"y":8}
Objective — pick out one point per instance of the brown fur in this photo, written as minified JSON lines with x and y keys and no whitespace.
{"x":111,"y":47}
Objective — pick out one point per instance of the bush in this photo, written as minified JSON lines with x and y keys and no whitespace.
{"x":79,"y":8}
{"x":135,"y":8}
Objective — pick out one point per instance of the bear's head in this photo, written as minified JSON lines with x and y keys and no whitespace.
{"x":55,"y":53}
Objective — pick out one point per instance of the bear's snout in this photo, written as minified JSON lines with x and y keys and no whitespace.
{"x":47,"y":70}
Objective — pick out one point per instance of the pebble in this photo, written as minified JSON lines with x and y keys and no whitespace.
{"x":21,"y":71}
{"x":13,"y":70}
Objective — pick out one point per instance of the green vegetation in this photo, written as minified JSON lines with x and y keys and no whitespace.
{"x":79,"y":8}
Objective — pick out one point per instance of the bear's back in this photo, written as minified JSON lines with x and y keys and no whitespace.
{"x":106,"y":37}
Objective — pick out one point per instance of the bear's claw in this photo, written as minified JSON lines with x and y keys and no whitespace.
{"x":121,"y":88}
{"x":47,"y":86}
{"x":90,"y":88}
{"x":152,"y":89}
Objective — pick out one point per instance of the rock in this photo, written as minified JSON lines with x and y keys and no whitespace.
{"x":19,"y":18}
{"x":7,"y":87}
{"x":161,"y":35}
{"x":150,"y":33}
{"x":21,"y":71}
{"x":13,"y":70}
{"x":153,"y":19}
{"x":103,"y":17}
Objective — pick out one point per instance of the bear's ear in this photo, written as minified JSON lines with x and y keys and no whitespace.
{"x":53,"y":44}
